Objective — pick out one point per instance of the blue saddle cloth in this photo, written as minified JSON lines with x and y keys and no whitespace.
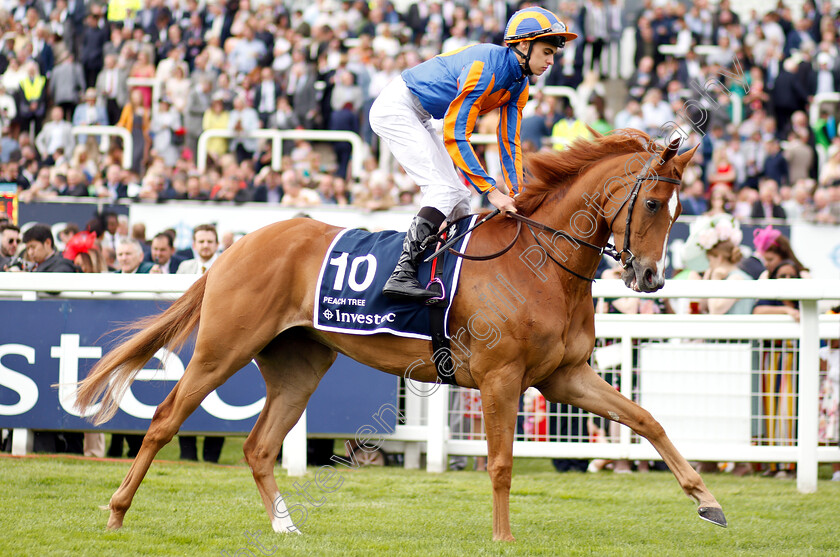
{"x":355,"y":269}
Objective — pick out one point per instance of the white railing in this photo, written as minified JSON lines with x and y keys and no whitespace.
{"x":105,"y":142}
{"x":427,"y":428}
{"x":359,"y":149}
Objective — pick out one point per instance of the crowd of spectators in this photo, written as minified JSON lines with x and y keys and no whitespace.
{"x":240,"y":65}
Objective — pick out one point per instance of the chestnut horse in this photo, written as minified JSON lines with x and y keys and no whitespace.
{"x":256,"y":302}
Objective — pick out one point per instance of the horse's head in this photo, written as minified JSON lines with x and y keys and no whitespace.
{"x":643,"y":223}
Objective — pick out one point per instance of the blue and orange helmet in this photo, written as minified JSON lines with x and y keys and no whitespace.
{"x":537,"y":24}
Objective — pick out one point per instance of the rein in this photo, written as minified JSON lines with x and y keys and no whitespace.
{"x":609,"y":249}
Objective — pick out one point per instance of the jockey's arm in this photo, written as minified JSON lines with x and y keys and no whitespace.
{"x":459,"y":122}
{"x":510,"y":148}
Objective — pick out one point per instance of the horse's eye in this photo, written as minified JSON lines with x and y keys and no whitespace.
{"x":652,"y":205}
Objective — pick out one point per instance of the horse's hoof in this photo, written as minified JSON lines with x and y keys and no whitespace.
{"x":115,"y":521}
{"x":713,"y":515}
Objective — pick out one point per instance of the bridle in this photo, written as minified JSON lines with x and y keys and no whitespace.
{"x":609,"y":249}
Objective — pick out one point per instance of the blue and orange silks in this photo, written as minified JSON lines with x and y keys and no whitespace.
{"x":459,"y":86}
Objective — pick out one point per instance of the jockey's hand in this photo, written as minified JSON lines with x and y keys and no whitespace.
{"x":501,"y":201}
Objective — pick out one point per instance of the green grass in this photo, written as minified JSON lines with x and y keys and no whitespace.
{"x":49,"y":506}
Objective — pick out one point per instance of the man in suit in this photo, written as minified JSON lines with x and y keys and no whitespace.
{"x":111,"y":84}
{"x":206,"y":247}
{"x":91,"y":46}
{"x":767,"y":207}
{"x":114,"y":183}
{"x":67,"y":83}
{"x":266,"y":93}
{"x":163,"y":255}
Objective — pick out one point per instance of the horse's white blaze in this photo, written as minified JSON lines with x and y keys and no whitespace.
{"x":672,"y":210}
{"x":282,"y":521}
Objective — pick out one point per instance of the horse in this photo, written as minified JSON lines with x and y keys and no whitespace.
{"x":256,"y":303}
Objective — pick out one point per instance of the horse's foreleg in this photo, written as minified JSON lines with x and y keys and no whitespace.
{"x":586,"y":390}
{"x":500,"y":404}
{"x":292,"y":366}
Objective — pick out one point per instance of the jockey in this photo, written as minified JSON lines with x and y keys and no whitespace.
{"x":457,"y":87}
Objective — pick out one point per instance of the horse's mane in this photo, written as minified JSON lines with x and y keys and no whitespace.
{"x":554,"y":171}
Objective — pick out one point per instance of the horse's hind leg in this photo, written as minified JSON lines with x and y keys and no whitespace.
{"x":211,"y":365}
{"x":292,"y":365}
{"x":583,"y":388}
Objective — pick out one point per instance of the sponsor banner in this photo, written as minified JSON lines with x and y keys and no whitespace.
{"x":56,"y":342}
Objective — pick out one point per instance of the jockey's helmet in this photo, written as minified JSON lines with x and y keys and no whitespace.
{"x":537,"y":24}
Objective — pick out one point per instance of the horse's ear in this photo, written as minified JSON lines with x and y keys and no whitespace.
{"x":595,"y":134}
{"x":682,"y":161}
{"x":669,"y":151}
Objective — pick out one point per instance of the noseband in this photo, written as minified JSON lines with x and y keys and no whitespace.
{"x":609,"y":249}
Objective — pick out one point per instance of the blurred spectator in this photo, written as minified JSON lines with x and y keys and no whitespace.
{"x":198,"y":103}
{"x":294,"y":194}
{"x":266,"y":94}
{"x":823,"y":210}
{"x":378,"y":195}
{"x":67,"y":83}
{"x":799,"y":156}
{"x":767,"y":205}
{"x":830,"y":173}
{"x":721,"y":200}
{"x":243,"y":120}
{"x":93,"y":39}
{"x":693,"y":199}
{"x":8,"y":109}
{"x":40,"y":190}
{"x":775,"y":163}
{"x":745,"y":200}
{"x":112,"y":87}
{"x":135,"y":118}
{"x":56,"y":134}
{"x":143,"y":69}
{"x":163,"y":255}
{"x":89,"y":113}
{"x":788,"y":95}
{"x":267,"y":186}
{"x":163,"y":126}
{"x":76,"y":185}
{"x":799,"y":200}
{"x":247,"y":53}
{"x":32,"y":106}
{"x":216,"y":118}
{"x":177,"y":89}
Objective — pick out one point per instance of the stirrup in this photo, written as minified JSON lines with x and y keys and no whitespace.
{"x":437,"y":299}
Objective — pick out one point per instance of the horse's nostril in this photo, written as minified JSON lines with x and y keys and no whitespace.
{"x":649,"y":276}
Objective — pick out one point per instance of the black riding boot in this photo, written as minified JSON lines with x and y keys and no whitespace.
{"x":403,"y":282}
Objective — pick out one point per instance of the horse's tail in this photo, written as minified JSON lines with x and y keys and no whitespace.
{"x":114,"y":373}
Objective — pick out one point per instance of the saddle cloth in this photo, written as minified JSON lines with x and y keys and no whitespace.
{"x":355,"y":269}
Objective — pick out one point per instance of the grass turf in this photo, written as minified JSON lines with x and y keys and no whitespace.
{"x":49,"y":506}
